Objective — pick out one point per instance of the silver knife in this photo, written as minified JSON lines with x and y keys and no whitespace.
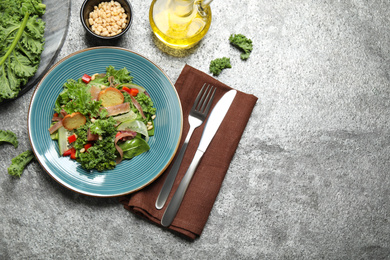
{"x":213,"y":122}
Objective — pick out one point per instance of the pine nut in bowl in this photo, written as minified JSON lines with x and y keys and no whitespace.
{"x":106,"y":19}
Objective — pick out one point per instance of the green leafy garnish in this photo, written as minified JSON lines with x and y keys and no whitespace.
{"x":21,"y":43}
{"x":147,"y":107}
{"x":20,"y":162}
{"x":101,"y":155}
{"x":242,"y":43}
{"x":217,"y":65}
{"x":120,"y":76}
{"x":81,"y":99}
{"x":9,"y":137}
{"x":134,"y":147}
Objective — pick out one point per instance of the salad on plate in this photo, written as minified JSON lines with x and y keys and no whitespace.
{"x":101,"y":119}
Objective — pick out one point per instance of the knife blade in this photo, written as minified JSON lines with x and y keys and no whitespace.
{"x":213,"y":122}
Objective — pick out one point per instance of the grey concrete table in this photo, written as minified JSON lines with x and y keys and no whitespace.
{"x":310,"y":178}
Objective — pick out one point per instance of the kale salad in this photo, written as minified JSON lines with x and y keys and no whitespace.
{"x":101,"y":119}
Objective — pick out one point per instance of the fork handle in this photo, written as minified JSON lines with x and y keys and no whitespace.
{"x":167,"y":186}
{"x":177,"y":198}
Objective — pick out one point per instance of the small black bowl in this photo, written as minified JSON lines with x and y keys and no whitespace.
{"x":88,"y":7}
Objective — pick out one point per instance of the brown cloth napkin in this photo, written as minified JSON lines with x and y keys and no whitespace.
{"x":207,"y":180}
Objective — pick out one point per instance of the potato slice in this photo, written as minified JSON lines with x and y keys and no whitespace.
{"x":73,"y":121}
{"x":111,"y":97}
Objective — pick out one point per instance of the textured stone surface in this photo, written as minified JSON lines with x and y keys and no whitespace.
{"x":310,"y":178}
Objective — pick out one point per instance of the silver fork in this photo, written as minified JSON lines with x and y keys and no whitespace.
{"x":197,"y":116}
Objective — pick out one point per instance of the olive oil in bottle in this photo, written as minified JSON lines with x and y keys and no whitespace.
{"x":179,"y":24}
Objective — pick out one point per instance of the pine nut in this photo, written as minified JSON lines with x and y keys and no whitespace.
{"x":94,"y":76}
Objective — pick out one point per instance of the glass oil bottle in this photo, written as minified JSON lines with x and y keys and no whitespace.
{"x":180,"y":24}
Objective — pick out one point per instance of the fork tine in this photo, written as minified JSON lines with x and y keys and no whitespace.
{"x":210,"y":102}
{"x":206,"y":100}
{"x":199,"y":105}
{"x":198,"y":97}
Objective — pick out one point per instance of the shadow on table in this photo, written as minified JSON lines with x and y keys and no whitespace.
{"x":94,"y":42}
{"x":141,"y":218}
{"x":172,"y":51}
{"x":76,"y":197}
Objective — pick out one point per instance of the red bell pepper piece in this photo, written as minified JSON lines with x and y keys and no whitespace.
{"x":67,"y":152}
{"x":131,"y":91}
{"x":86,"y":78}
{"x":134,"y":92}
{"x":71,"y":152}
{"x":72,"y":138}
{"x":87,"y":146}
{"x":126,"y":89}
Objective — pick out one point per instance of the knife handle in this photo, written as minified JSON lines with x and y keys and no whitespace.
{"x":177,"y":198}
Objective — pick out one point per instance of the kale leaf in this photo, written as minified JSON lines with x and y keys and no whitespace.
{"x":242,"y":43}
{"x":146,"y":105}
{"x":20,"y":162}
{"x":217,"y":65}
{"x":120,"y":76}
{"x":81,"y":99}
{"x":9,"y":137}
{"x":101,"y":155}
{"x":21,"y":43}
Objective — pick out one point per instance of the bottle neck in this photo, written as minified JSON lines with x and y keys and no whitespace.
{"x":204,"y":4}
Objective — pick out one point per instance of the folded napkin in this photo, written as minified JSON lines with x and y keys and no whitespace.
{"x":207,"y":180}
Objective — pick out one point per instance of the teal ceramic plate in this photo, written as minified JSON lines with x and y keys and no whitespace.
{"x":129,"y":175}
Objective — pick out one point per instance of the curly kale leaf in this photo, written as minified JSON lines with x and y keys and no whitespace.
{"x":101,"y":155}
{"x":217,"y":65}
{"x":21,"y":43}
{"x":81,"y":99}
{"x":9,"y":137}
{"x":120,"y":76}
{"x":242,"y":43}
{"x":146,"y":105}
{"x":20,"y":162}
{"x":20,"y":7}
